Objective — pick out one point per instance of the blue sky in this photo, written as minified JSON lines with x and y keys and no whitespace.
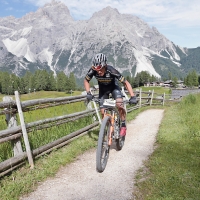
{"x":178,"y":20}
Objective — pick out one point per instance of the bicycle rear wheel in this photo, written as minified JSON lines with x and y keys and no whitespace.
{"x":103,"y":147}
{"x":120,"y":140}
{"x":120,"y":143}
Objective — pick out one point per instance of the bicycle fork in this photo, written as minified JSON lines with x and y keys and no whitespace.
{"x":111,"y":129}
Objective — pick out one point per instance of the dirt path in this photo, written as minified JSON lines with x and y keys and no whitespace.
{"x":80,"y":181}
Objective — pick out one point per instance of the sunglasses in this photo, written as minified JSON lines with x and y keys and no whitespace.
{"x":98,"y":67}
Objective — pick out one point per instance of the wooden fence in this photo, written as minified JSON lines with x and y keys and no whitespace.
{"x":14,"y":132}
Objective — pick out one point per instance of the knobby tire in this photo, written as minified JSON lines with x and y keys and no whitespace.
{"x":120,"y":141}
{"x":103,"y":148}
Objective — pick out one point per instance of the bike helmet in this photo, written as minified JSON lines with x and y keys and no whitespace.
{"x":99,"y":61}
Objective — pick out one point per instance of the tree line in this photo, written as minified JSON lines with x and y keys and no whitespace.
{"x":37,"y":81}
{"x":44,"y":80}
{"x":141,"y":78}
{"x":192,"y":79}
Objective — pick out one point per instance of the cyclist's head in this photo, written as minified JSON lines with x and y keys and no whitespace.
{"x":99,"y":61}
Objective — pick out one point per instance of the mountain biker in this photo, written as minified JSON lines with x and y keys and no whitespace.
{"x":108,"y":77}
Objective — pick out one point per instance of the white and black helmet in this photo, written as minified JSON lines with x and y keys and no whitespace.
{"x":99,"y":60}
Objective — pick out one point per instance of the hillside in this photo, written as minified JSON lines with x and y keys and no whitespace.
{"x":51,"y":39}
{"x":192,"y":61}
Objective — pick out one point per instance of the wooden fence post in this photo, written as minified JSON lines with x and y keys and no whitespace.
{"x":151,"y":97}
{"x":24,"y":132}
{"x":163,"y":99}
{"x":140,"y":98}
{"x":149,"y":94}
{"x":12,"y":122}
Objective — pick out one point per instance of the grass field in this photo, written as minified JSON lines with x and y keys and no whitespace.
{"x":172,"y":172}
{"x":24,"y":180}
{"x":38,"y":138}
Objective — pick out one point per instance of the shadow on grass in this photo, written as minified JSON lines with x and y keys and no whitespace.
{"x":174,"y":172}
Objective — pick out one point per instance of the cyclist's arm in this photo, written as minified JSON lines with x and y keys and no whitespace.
{"x":128,"y":87}
{"x":87,"y":79}
{"x":86,"y":85}
{"x":121,"y":79}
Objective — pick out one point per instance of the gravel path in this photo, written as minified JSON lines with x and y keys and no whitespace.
{"x":80,"y":181}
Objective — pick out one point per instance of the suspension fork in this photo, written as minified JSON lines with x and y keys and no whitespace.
{"x":112,"y":116}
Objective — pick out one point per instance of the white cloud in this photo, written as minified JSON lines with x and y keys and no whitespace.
{"x":157,"y":12}
{"x":168,"y":16}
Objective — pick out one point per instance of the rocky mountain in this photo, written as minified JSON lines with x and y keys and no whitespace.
{"x":51,"y":39}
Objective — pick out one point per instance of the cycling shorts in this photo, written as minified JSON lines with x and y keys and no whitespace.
{"x":104,"y":94}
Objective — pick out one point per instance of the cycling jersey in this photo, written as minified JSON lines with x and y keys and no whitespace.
{"x":109,"y":77}
{"x":108,"y":83}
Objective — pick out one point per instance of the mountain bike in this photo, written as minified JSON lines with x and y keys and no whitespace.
{"x":109,"y":133}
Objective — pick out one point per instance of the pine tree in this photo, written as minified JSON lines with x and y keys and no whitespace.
{"x":61,"y":81}
{"x":175,"y":82}
{"x":51,"y":82}
{"x":71,"y":82}
{"x":27,"y":82}
{"x":194,"y":78}
{"x":41,"y":80}
{"x":5,"y":83}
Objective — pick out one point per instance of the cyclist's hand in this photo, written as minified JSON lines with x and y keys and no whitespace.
{"x":89,"y":96}
{"x":133,"y":100}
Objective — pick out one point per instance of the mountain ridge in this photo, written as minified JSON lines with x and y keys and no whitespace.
{"x":51,"y":39}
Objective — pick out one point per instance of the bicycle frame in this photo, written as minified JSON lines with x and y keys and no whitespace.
{"x":110,"y":105}
{"x":125,"y":98}
{"x":109,"y":131}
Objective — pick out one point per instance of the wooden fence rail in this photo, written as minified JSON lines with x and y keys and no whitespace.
{"x":14,"y":132}
{"x":37,"y":124}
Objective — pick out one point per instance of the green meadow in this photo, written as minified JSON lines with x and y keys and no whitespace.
{"x":172,"y":171}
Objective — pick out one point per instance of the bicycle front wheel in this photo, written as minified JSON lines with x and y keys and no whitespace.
{"x":103,"y":147}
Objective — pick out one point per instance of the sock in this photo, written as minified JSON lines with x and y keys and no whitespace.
{"x":123,"y":124}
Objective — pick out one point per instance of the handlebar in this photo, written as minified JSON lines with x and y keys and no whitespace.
{"x":111,"y":101}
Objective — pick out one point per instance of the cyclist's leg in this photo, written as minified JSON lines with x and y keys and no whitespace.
{"x":102,"y":95}
{"x":117,"y":95}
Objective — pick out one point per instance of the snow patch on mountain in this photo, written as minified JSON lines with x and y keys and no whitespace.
{"x":22,"y":65}
{"x":19,"y":48}
{"x":26,"y":31}
{"x":47,"y":56}
{"x":139,"y":34}
{"x":3,"y":27}
{"x":143,"y":64}
{"x":149,"y":52}
{"x":176,"y":56}
{"x":178,"y":64}
{"x":29,"y":55}
{"x":183,"y":50}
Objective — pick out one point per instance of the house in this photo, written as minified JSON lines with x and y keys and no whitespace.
{"x":149,"y":84}
{"x":180,"y":84}
{"x":161,"y":83}
{"x":168,"y":83}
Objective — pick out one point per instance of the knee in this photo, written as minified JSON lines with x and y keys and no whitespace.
{"x":102,"y":112}
{"x":120,"y":105}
